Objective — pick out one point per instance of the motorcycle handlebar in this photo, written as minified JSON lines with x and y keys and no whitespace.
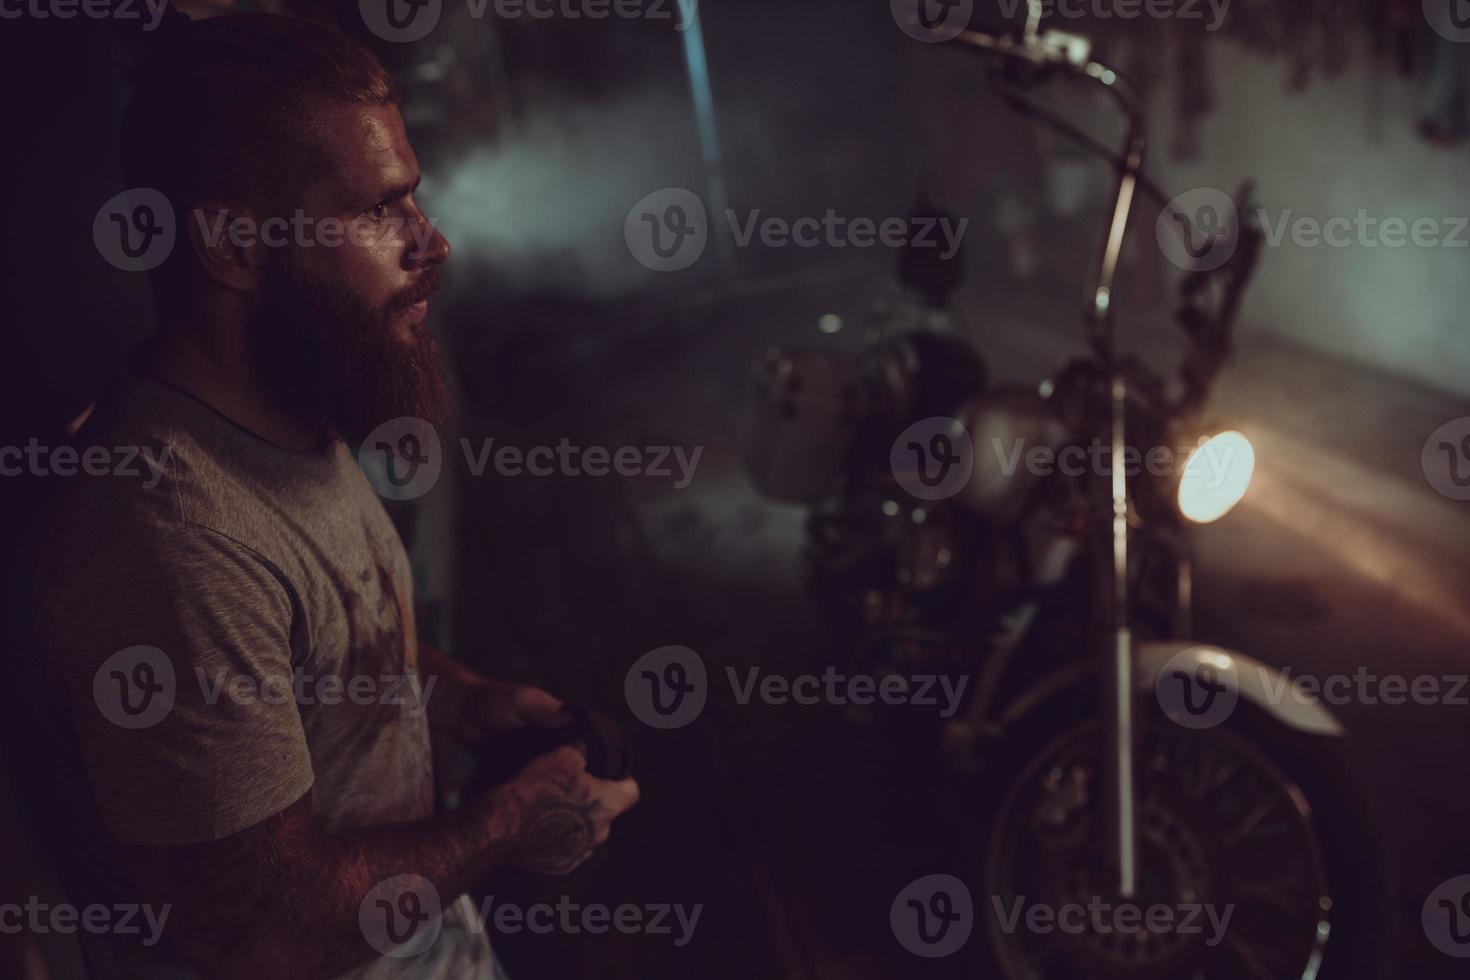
{"x":1071,"y":54}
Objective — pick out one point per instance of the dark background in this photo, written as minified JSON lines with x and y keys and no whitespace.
{"x":794,"y":826}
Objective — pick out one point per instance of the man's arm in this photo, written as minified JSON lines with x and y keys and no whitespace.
{"x":270,"y":892}
{"x":282,"y":899}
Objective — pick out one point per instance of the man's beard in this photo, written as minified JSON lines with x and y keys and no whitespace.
{"x":338,"y":366}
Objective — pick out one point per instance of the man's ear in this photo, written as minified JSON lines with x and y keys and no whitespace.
{"x":226,"y":239}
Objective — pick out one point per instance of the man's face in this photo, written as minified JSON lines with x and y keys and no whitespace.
{"x":339,"y":336}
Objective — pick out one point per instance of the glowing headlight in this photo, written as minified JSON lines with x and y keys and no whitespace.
{"x":1216,"y":476}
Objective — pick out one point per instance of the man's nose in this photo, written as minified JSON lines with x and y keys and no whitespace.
{"x":429,"y":247}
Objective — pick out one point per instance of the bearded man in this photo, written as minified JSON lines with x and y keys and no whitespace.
{"x":207,"y":628}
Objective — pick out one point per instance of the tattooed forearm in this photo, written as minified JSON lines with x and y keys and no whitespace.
{"x":555,"y":833}
{"x":283,"y":899}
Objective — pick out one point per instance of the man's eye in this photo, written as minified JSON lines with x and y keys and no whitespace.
{"x":378,"y":211}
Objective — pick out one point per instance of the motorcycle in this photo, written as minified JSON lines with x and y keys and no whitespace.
{"x":1111,"y":764}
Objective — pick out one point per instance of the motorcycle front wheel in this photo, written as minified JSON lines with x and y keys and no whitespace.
{"x":1257,"y":856}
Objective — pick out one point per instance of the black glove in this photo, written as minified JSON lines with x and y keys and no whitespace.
{"x":608,"y":753}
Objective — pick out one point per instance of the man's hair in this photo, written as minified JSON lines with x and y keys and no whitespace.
{"x":223,"y":107}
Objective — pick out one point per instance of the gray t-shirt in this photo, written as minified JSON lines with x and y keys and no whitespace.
{"x":232,"y":626}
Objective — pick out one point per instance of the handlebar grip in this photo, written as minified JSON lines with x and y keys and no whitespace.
{"x":609,"y":755}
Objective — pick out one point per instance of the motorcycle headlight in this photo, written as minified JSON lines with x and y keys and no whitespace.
{"x":1216,"y":475}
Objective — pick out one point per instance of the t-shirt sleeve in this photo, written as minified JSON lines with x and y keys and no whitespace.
{"x":173,"y":649}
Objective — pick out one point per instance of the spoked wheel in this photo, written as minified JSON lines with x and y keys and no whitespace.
{"x":1236,"y":875}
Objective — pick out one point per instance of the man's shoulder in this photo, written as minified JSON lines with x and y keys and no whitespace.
{"x":125,"y":482}
{"x":164,"y":467}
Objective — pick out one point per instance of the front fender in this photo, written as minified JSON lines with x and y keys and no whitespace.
{"x":1260,"y":684}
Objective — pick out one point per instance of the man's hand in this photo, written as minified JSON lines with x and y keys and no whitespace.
{"x":469,"y":705}
{"x":558,"y":813}
{"x":498,"y":706}
{"x":554,"y":813}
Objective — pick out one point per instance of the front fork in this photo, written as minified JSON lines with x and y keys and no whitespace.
{"x":1120,"y":777}
{"x":1119,"y":709}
